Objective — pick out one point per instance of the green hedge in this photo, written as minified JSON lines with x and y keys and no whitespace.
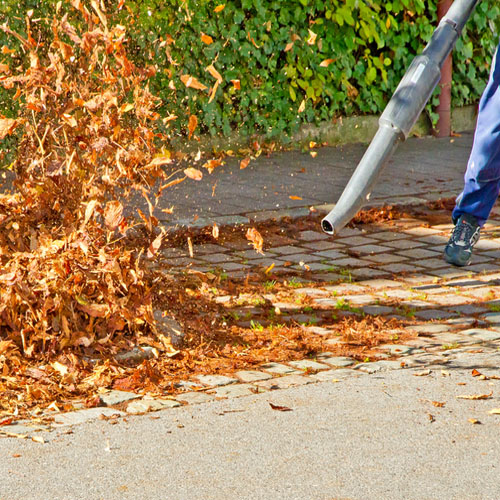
{"x":296,"y":60}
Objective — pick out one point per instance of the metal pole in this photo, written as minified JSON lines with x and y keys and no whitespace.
{"x":443,"y":127}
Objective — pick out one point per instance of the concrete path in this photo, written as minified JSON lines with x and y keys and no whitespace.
{"x":366,"y":437}
{"x":402,"y":428}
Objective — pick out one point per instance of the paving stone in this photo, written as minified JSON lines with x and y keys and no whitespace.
{"x":116,"y":397}
{"x":348,"y":262}
{"x":482,"y":268}
{"x":493,"y":317}
{"x":81,"y":416}
{"x":344,"y":288}
{"x":236,"y":390}
{"x":252,"y":375}
{"x":300,"y":257}
{"x":386,"y":258}
{"x":389,"y":236}
{"x":308,"y":364}
{"x":219,"y":258}
{"x":370,"y":249}
{"x":208,"y":248}
{"x":284,"y":382}
{"x":377,"y":366}
{"x":434,"y":239}
{"x":469,"y":309}
{"x":397,"y":293}
{"x":435,"y":263}
{"x":278,"y":369}
{"x":322,"y":245}
{"x":432,"y":328}
{"x":418,"y":253}
{"x":194,"y":398}
{"x":334,"y":375}
{"x":360,"y":300}
{"x":404,"y":244}
{"x":380,"y":283}
{"x":216,"y":380}
{"x":364,"y":273}
{"x":481,"y":293}
{"x":356,"y":240}
{"x":449,"y":273}
{"x":422,"y":231}
{"x":377,"y":310}
{"x":312,"y":266}
{"x":144,"y":405}
{"x":314,"y":236}
{"x":398,"y":349}
{"x":331,"y":254}
{"x":285,"y":250}
{"x":338,"y":361}
{"x":482,"y":334}
{"x":434,"y":314}
{"x":449,"y":300}
{"x":484,"y":244}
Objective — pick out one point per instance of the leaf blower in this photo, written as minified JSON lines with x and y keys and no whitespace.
{"x":400,"y":114}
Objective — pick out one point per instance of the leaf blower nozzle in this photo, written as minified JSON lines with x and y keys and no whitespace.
{"x":400,"y":115}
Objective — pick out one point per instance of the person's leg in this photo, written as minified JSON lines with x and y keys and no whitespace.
{"x":482,"y":178}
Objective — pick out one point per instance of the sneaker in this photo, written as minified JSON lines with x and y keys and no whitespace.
{"x":458,"y":251}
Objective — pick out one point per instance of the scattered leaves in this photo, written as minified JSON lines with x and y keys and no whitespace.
{"x":279,"y":408}
{"x":475,"y":396}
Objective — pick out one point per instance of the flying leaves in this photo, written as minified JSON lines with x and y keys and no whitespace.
{"x":7,"y":126}
{"x":113,"y":214}
{"x":255,"y":239}
{"x":192,"y":82}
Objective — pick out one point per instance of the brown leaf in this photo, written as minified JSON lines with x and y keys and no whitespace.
{"x":475,"y":396}
{"x":219,"y":7}
{"x":475,"y":373}
{"x":155,"y":245}
{"x":279,"y":408}
{"x":89,"y":210}
{"x":236,"y":84}
{"x":326,"y":63}
{"x":255,"y":239}
{"x":193,"y":123}
{"x":7,"y":126}
{"x":293,"y":197}
{"x":113,"y":214}
{"x":206,"y":39}
{"x":494,"y":411}
{"x":473,"y":421}
{"x":193,"y":173}
{"x":215,"y":231}
{"x":438,"y":404}
{"x":312,"y":38}
{"x":191,"y":82}
{"x":211,"y":69}
{"x":244,"y":163}
{"x":94,"y":310}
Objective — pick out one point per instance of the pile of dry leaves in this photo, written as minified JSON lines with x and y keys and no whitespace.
{"x":76,"y":287}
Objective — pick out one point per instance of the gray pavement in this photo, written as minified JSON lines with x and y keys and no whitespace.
{"x":387,"y":429}
{"x":230,"y":195}
{"x":365,"y":437}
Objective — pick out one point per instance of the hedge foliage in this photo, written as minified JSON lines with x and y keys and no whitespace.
{"x":276,"y":64}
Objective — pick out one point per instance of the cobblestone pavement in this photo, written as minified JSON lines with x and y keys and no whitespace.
{"x":390,"y":271}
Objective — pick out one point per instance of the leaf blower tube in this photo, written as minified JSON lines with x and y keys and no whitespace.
{"x":400,"y":114}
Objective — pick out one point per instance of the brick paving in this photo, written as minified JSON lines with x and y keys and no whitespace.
{"x":397,"y":270}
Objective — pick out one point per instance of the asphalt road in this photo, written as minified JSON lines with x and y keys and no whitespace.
{"x":374,"y":436}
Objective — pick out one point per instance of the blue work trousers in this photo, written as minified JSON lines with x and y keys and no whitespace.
{"x":482,"y":178}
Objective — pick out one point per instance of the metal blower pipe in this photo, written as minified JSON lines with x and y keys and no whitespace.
{"x":400,"y":114}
